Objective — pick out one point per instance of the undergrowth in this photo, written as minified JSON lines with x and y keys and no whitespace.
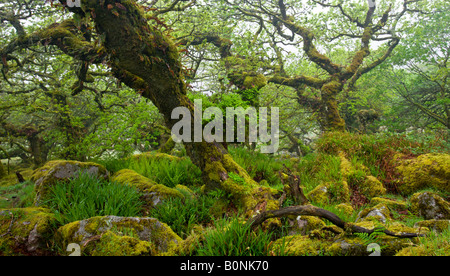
{"x":86,"y":196}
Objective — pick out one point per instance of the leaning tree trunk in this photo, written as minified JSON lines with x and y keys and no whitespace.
{"x":332,"y":120}
{"x":148,"y":61}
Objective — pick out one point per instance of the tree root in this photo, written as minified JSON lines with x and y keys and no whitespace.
{"x":309,"y":210}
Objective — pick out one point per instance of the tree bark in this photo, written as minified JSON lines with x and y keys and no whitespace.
{"x":148,"y":61}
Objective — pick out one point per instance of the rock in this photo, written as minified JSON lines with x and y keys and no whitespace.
{"x":359,"y":175}
{"x":428,"y":170}
{"x":305,"y":224}
{"x":153,"y":193}
{"x":26,"y":231}
{"x":429,"y":206}
{"x":372,"y":187}
{"x":379,"y":212}
{"x":436,"y":225}
{"x":61,"y":171}
{"x":346,"y":208}
{"x":330,"y":192}
{"x":112,"y":235}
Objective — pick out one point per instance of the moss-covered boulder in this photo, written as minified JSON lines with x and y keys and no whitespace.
{"x":156,"y":156}
{"x":425,"y":171}
{"x":359,"y":175}
{"x":429,"y":206}
{"x":336,"y":192}
{"x":153,"y":193}
{"x":26,"y":231}
{"x":305,"y":224}
{"x":379,"y":213}
{"x":60,"y":171}
{"x":345,"y":208}
{"x":112,"y":235}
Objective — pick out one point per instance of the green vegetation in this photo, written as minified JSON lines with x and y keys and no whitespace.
{"x":85,"y":196}
{"x":88,"y":96}
{"x":231,"y":237}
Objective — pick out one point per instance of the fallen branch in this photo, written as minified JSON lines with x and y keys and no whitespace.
{"x":309,"y":210}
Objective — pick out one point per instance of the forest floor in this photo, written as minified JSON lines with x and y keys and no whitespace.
{"x":379,"y":182}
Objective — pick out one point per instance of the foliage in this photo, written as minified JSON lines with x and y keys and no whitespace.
{"x":231,"y":237}
{"x":163,"y":171}
{"x":86,"y":196}
{"x":17,"y":195}
{"x":182,"y":215}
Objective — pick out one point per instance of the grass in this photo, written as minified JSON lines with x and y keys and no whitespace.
{"x":435,"y":244}
{"x":19,"y":195}
{"x":315,"y":169}
{"x":258,"y":165}
{"x":86,"y":196}
{"x":182,"y":215}
{"x":231,"y":237}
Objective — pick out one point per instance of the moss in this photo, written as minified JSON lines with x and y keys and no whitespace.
{"x":153,"y":193}
{"x":26,"y":230}
{"x":346,"y":208}
{"x":309,"y":223}
{"x":428,"y":170}
{"x":380,"y":213}
{"x":429,"y":206}
{"x":162,"y":239}
{"x":372,"y":187}
{"x":187,"y":193}
{"x":392,"y":204}
{"x":359,"y":175}
{"x":257,"y":81}
{"x":111,"y":244}
{"x":298,"y":245}
{"x":157,"y":156}
{"x":168,"y":146}
{"x":136,"y":180}
{"x":414,"y":251}
{"x":335,"y":192}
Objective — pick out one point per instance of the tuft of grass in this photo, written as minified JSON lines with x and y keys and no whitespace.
{"x":318,"y":168}
{"x":231,"y":237}
{"x":183,"y":214}
{"x":258,"y":165}
{"x":86,"y":196}
{"x":163,"y":171}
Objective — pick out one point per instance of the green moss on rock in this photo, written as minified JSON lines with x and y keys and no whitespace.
{"x":26,"y":231}
{"x":379,"y":213}
{"x":392,"y":204}
{"x":429,"y":206}
{"x":159,"y":239}
{"x":153,"y":193}
{"x":335,"y":192}
{"x":111,"y":244}
{"x":428,"y":170}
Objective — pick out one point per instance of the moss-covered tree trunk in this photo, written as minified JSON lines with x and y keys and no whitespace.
{"x":148,"y":61}
{"x":332,"y":120}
